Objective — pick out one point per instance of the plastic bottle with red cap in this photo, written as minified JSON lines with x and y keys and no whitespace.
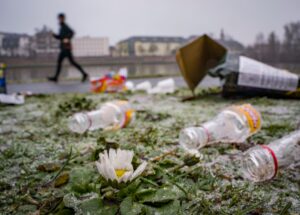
{"x":262,"y":162}
{"x":234,"y":124}
{"x":112,"y":115}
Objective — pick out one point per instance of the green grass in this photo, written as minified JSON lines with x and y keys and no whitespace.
{"x":35,"y":136}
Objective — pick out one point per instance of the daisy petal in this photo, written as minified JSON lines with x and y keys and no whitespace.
{"x":99,"y":167}
{"x":129,"y":156}
{"x":121,"y":161}
{"x":126,"y":177}
{"x":110,"y":171}
{"x":139,"y":170}
{"x":116,"y":165}
{"x":112,"y":155}
{"x":105,"y":174}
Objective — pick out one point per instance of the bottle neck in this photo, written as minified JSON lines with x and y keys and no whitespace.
{"x":262,"y":162}
{"x":207,"y":134}
{"x":79,"y":123}
{"x":194,"y":138}
{"x":258,"y":164}
{"x":209,"y":129}
{"x":287,"y":149}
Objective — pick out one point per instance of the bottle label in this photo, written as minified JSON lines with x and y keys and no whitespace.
{"x":253,"y":73}
{"x":252,"y":115}
{"x":128,"y":117}
{"x":128,"y":114}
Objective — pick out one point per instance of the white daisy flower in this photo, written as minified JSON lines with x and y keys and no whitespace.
{"x":116,"y":165}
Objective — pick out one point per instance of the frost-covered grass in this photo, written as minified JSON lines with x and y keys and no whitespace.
{"x":44,"y":168}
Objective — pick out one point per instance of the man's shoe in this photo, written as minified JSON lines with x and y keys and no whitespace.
{"x":84,"y":77}
{"x":52,"y":79}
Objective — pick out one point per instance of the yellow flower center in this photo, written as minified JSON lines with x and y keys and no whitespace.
{"x":120,"y":172}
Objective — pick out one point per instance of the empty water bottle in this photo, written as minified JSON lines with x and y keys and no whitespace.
{"x":262,"y":162}
{"x":164,"y":86}
{"x":112,"y":115}
{"x":234,"y":124}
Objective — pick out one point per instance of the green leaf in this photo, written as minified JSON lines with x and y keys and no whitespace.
{"x":144,"y":193}
{"x":80,"y":179}
{"x":172,"y":207}
{"x":109,"y":210}
{"x":65,"y":211}
{"x":128,"y":207}
{"x":26,"y":209}
{"x":92,"y":206}
{"x":163,"y":195}
{"x":130,"y":189}
{"x":89,"y":203}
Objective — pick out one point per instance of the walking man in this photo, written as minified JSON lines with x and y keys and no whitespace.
{"x":65,"y":35}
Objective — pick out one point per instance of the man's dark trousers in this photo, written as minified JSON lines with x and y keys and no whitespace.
{"x":66,"y":53}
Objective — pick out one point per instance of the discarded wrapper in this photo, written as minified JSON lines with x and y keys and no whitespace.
{"x":241,"y":76}
{"x":197,"y":57}
{"x":248,"y":77}
{"x":12,"y":99}
{"x":111,"y":82}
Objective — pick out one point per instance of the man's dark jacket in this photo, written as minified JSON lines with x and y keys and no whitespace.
{"x":65,"y":32}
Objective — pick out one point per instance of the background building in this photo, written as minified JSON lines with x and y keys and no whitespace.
{"x":44,"y":43}
{"x":14,"y":45}
{"x":90,"y":46}
{"x":233,"y":46}
{"x":149,"y":46}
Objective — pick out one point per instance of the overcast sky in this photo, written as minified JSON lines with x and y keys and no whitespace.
{"x":119,"y":19}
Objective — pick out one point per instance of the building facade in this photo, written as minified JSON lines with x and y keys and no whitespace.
{"x":149,"y":46}
{"x":15,"y":45}
{"x":90,"y":46}
{"x":44,"y":44}
{"x":234,"y":47}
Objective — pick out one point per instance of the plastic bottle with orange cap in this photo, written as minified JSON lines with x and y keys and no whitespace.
{"x":111,"y":115}
{"x":234,"y":124}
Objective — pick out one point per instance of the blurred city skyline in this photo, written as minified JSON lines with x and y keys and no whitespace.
{"x":121,"y":19}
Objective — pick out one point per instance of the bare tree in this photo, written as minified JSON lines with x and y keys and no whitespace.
{"x":291,"y":43}
{"x":259,"y":46}
{"x":273,"y":48}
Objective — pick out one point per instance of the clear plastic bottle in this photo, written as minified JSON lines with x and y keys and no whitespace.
{"x":234,"y":124}
{"x":112,"y":115}
{"x":262,"y":162}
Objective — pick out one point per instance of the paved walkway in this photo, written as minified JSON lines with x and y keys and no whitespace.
{"x":72,"y":86}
